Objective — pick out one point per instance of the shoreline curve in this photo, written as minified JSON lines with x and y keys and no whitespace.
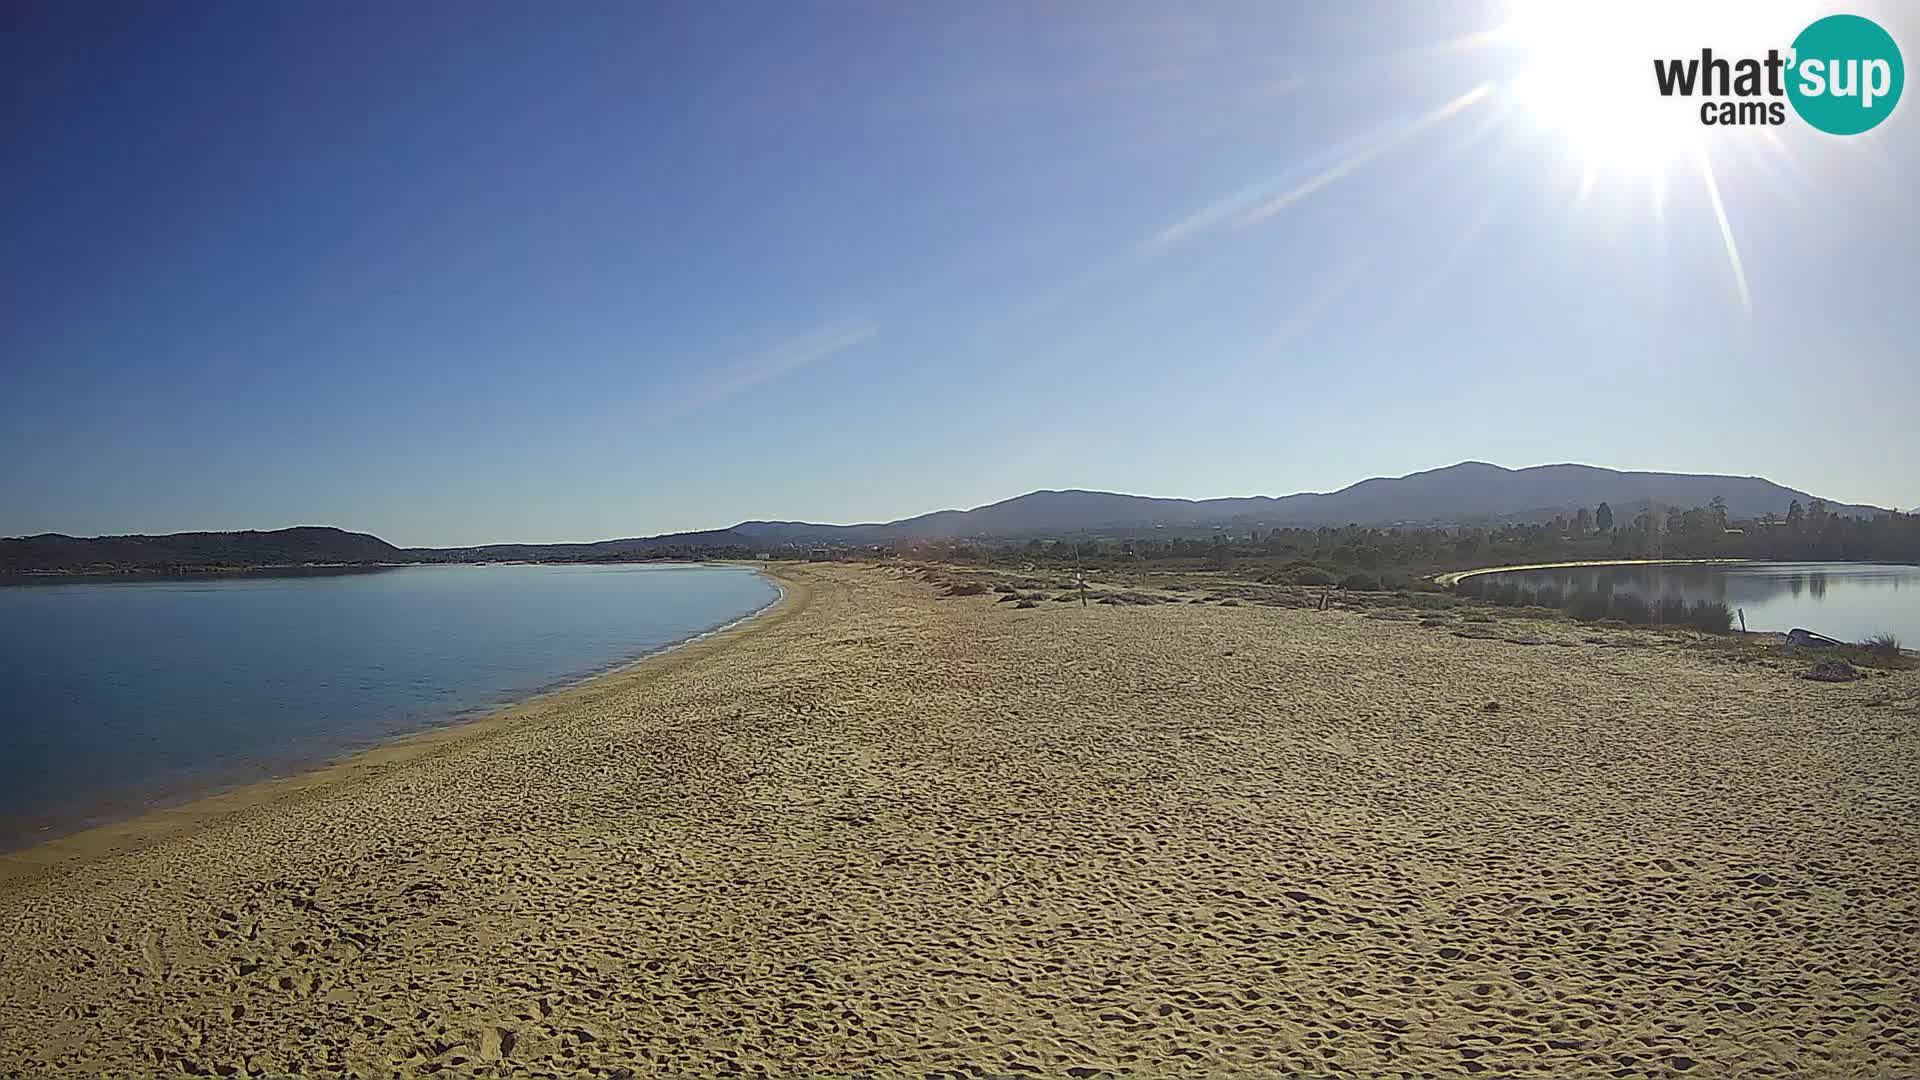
{"x":70,"y":850}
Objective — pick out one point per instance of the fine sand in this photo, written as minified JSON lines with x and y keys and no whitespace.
{"x":883,"y":832}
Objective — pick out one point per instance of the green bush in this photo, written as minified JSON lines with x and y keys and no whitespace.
{"x":1312,"y":575}
{"x":1711,"y":616}
{"x":1360,"y":583}
{"x":1883,"y":644}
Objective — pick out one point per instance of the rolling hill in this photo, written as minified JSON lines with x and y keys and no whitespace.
{"x":1467,"y":492}
{"x":1472,"y":491}
{"x":281,"y":547}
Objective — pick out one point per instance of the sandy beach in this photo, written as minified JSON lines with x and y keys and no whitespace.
{"x":881,"y":831}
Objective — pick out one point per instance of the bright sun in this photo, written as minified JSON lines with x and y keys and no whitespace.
{"x":1589,"y":71}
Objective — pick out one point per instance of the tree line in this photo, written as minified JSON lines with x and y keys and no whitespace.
{"x":1810,"y":533}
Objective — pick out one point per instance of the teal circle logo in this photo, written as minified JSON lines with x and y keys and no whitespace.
{"x":1847,"y":74}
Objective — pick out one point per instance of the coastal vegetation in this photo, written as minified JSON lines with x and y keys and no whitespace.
{"x":1884,"y":644}
{"x":1398,"y":557}
{"x":1505,"y":613}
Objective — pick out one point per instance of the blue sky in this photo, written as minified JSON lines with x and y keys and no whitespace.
{"x":496,"y":272}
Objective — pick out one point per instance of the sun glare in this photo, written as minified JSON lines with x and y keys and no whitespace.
{"x":1588,"y":72}
{"x":1580,"y":81}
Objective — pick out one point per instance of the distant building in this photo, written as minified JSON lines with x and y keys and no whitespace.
{"x":819,"y":555}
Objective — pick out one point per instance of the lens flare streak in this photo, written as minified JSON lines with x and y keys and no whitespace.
{"x":1452,"y":108}
{"x":1705,"y":164}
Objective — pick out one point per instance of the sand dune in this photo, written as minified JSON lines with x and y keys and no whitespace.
{"x":882,"y":832}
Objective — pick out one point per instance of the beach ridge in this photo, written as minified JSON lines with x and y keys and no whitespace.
{"x":884,"y":830}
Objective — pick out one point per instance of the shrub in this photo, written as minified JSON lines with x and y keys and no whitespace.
{"x":1360,"y":583}
{"x":1883,"y":644}
{"x":1312,"y":575}
{"x":1631,"y":608}
{"x":970,"y":588}
{"x":1587,"y":606}
{"x":1711,"y":616}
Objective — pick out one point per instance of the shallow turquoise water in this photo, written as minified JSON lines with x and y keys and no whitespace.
{"x":116,"y":696}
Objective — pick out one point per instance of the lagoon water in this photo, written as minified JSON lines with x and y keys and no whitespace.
{"x":115,"y":696}
{"x":1849,"y":601}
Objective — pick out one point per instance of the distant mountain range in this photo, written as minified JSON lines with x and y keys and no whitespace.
{"x":1472,"y":491}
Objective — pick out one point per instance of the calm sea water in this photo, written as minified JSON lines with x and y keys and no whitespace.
{"x":1849,"y":601}
{"x":117,"y":696}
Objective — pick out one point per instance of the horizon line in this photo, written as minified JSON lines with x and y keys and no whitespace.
{"x":943,"y":510}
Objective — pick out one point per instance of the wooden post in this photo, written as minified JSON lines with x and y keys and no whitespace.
{"x":1743,"y":620}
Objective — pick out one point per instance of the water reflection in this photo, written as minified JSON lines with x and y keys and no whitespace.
{"x":1847,"y":600}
